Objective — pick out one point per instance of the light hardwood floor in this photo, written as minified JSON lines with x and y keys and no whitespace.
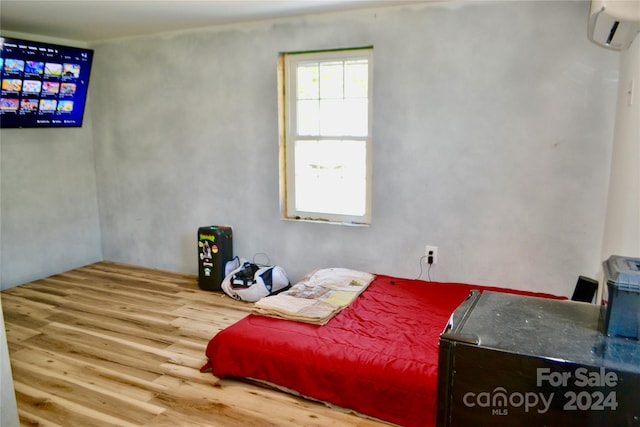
{"x":118,"y":345}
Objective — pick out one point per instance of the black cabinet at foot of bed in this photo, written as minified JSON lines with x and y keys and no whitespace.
{"x":515,"y":360}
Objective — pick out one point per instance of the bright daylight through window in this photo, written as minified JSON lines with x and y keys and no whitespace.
{"x":325,"y":120}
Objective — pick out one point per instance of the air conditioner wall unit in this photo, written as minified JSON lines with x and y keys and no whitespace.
{"x":614,"y":24}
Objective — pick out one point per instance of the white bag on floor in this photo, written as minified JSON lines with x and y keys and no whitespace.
{"x":246,"y":281}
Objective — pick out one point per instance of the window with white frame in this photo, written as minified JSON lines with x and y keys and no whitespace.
{"x":325,"y":135}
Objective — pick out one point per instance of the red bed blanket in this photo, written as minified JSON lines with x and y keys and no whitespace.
{"x":378,"y":357}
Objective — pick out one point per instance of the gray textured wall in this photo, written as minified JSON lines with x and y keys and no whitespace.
{"x":50,"y":220}
{"x":492,"y":132}
{"x":622,"y":228}
{"x":8,"y":408}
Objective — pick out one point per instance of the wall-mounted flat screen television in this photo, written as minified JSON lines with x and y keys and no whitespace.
{"x":43,"y":84}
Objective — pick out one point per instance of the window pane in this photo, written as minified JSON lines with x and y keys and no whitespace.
{"x":344,"y":117}
{"x":331,"y":177}
{"x":308,"y":82}
{"x":332,"y":117}
{"x":308,"y":117}
{"x":356,"y":79}
{"x":331,"y":80}
{"x":358,"y":123}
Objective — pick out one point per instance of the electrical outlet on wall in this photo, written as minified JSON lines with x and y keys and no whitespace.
{"x":431,"y":255}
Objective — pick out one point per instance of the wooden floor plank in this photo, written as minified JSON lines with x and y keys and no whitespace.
{"x":87,"y":394}
{"x":61,"y":411}
{"x":19,"y":334}
{"x":34,"y":312}
{"x":119,"y":345}
{"x":90,"y":375}
{"x":30,"y":419}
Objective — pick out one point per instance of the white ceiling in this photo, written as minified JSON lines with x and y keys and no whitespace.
{"x":92,"y":20}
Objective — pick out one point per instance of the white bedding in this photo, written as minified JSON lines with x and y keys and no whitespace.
{"x":316,"y":298}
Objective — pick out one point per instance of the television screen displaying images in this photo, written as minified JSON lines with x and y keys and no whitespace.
{"x":43,"y":84}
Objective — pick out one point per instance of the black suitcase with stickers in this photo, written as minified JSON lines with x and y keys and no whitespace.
{"x":215,"y":248}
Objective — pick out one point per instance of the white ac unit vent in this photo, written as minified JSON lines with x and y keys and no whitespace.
{"x":614,"y":23}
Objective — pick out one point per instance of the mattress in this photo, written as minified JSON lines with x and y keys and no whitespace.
{"x":378,"y":357}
